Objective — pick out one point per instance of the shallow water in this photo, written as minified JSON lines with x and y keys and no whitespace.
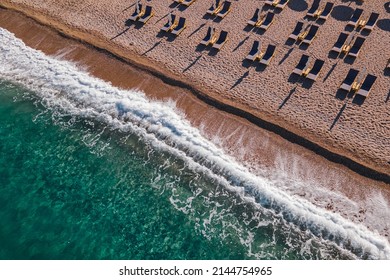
{"x":89,"y":171}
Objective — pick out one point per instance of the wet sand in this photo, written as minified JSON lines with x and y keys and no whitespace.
{"x":299,"y":171}
{"x":341,"y":128}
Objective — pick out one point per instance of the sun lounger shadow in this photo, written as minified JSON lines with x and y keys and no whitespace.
{"x":292,"y":91}
{"x":303,"y":47}
{"x":341,"y":94}
{"x":386,"y":72}
{"x":196,"y":30}
{"x":248,"y":28}
{"x":120,"y":34}
{"x":239,"y":81}
{"x":358,"y":99}
{"x":260,"y":67}
{"x":247,"y":63}
{"x":330,"y":72}
{"x":286,"y":55}
{"x":293,"y":78}
{"x":192,"y":63}
{"x":152,"y":48}
{"x":349,"y":59}
{"x":240,"y":44}
{"x":307,"y":83}
{"x":388,"y":97}
{"x":338,"y":116}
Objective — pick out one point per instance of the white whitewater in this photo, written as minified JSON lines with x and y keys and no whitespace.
{"x":66,"y":89}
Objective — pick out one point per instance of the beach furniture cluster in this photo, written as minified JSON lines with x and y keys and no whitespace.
{"x":220,"y":9}
{"x":174,"y":25}
{"x":304,"y":69}
{"x":315,"y":11}
{"x":305,"y":31}
{"x":355,"y":83}
{"x":140,"y":14}
{"x":256,"y":53}
{"x":211,"y":38}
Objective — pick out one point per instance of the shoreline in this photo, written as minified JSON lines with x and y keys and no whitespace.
{"x":330,"y":186}
{"x":334,"y":155}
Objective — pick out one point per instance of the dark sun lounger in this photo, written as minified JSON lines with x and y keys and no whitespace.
{"x":367,"y":85}
{"x":356,"y":47}
{"x":302,"y":64}
{"x":297,"y":30}
{"x":340,"y":42}
{"x":348,"y":81}
{"x":313,"y":74}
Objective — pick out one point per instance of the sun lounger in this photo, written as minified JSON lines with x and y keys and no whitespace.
{"x":221,"y":40}
{"x":225,"y":9}
{"x":327,"y":10}
{"x":355,"y":17}
{"x":371,"y":21}
{"x":340,"y":42}
{"x":302,"y":65}
{"x":282,"y":4}
{"x":209,"y":36}
{"x":313,"y":9}
{"x":187,"y":2}
{"x":357,"y":45}
{"x":268,"y":55}
{"x":313,"y":74}
{"x":254,"y":52}
{"x":137,"y":12}
{"x":366,"y":85}
{"x":311,"y":35}
{"x":181,"y":25}
{"x":348,"y":81}
{"x":269,"y":18}
{"x":215,"y":8}
{"x":296,"y":31}
{"x":147,"y":15}
{"x":170,"y":24}
{"x":255,"y":18}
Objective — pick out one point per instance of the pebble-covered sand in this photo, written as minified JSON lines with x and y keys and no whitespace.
{"x":359,"y":129}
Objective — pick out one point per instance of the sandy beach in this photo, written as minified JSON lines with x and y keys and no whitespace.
{"x":318,"y":113}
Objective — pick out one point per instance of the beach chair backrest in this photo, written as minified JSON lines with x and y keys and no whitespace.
{"x":356,"y":14}
{"x":269,"y":52}
{"x":368,"y":82}
{"x":372,"y":19}
{"x":351,"y":76}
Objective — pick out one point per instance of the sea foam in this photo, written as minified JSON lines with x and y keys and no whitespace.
{"x":62,"y":87}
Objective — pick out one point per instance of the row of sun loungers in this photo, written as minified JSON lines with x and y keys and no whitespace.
{"x":220,"y":10}
{"x":257,"y":54}
{"x":212,"y":39}
{"x":262,"y":22}
{"x":140,"y":14}
{"x":303,"y":68}
{"x":368,"y":24}
{"x":322,"y":13}
{"x":343,"y":44}
{"x":306,"y":35}
{"x":185,"y":2}
{"x":351,"y":83}
{"x":173,"y":25}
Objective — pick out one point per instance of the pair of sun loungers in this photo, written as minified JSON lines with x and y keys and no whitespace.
{"x":343,"y":44}
{"x":303,"y":68}
{"x":263,"y":22}
{"x":362,"y":88}
{"x":185,"y":2}
{"x":277,"y":3}
{"x":212,"y":39}
{"x":140,"y":14}
{"x":306,"y":35}
{"x":220,"y":10}
{"x":263,"y":57}
{"x":322,"y":13}
{"x":173,"y":25}
{"x":368,"y":24}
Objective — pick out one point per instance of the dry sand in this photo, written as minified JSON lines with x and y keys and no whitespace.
{"x":327,"y":185}
{"x":317,"y":112}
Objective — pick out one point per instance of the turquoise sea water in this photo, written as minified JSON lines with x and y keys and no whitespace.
{"x":88,"y":171}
